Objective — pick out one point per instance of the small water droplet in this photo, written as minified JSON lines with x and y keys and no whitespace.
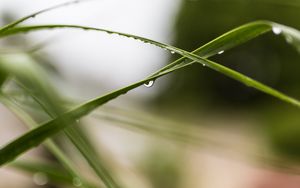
{"x":40,"y":178}
{"x":77,"y":182}
{"x":77,"y":121}
{"x":172,"y":52}
{"x":203,"y":65}
{"x":220,"y":52}
{"x":276,"y":30}
{"x":149,"y":84}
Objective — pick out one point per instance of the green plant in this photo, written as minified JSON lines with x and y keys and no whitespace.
{"x":27,"y":75}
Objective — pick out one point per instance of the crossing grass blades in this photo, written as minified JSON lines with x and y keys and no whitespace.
{"x":25,"y":72}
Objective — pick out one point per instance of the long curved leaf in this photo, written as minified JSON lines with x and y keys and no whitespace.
{"x":41,"y":133}
{"x":13,"y":24}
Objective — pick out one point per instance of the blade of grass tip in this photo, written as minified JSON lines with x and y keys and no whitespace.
{"x":224,"y":42}
{"x":13,"y":24}
{"x":25,"y":142}
{"x":56,"y":151}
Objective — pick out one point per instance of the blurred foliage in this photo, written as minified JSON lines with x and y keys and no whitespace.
{"x":162,"y":168}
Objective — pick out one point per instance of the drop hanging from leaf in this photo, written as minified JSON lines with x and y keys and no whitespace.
{"x":40,"y":179}
{"x":77,"y":182}
{"x":149,"y":83}
{"x":276,"y":30}
{"x":220,"y":52}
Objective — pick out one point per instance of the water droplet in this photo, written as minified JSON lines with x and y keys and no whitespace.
{"x":203,"y":65}
{"x":172,"y":52}
{"x":40,"y":178}
{"x":276,"y":30}
{"x":77,"y":182}
{"x":220,"y":52}
{"x":149,"y":84}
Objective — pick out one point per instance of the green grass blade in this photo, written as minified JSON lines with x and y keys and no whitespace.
{"x":13,"y":24}
{"x":34,"y":78}
{"x":80,"y":140}
{"x":55,"y":150}
{"x":224,"y":42}
{"x":41,"y":133}
{"x":53,"y":172}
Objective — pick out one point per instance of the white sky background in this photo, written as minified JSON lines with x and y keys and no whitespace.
{"x":91,"y":59}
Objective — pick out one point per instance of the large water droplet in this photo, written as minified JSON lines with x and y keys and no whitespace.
{"x":276,"y":30}
{"x":77,"y":182}
{"x":149,"y":84}
{"x":172,"y":52}
{"x":40,"y":178}
{"x":220,"y":52}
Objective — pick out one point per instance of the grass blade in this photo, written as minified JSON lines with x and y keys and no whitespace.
{"x":13,"y":24}
{"x":25,"y":142}
{"x":54,"y":173}
{"x":80,"y":140}
{"x":32,"y":83}
{"x":55,"y":150}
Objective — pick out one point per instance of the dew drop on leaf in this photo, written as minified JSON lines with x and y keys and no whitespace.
{"x":77,"y":182}
{"x":40,"y":178}
{"x":276,"y":30}
{"x":149,"y":84}
{"x":220,"y":52}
